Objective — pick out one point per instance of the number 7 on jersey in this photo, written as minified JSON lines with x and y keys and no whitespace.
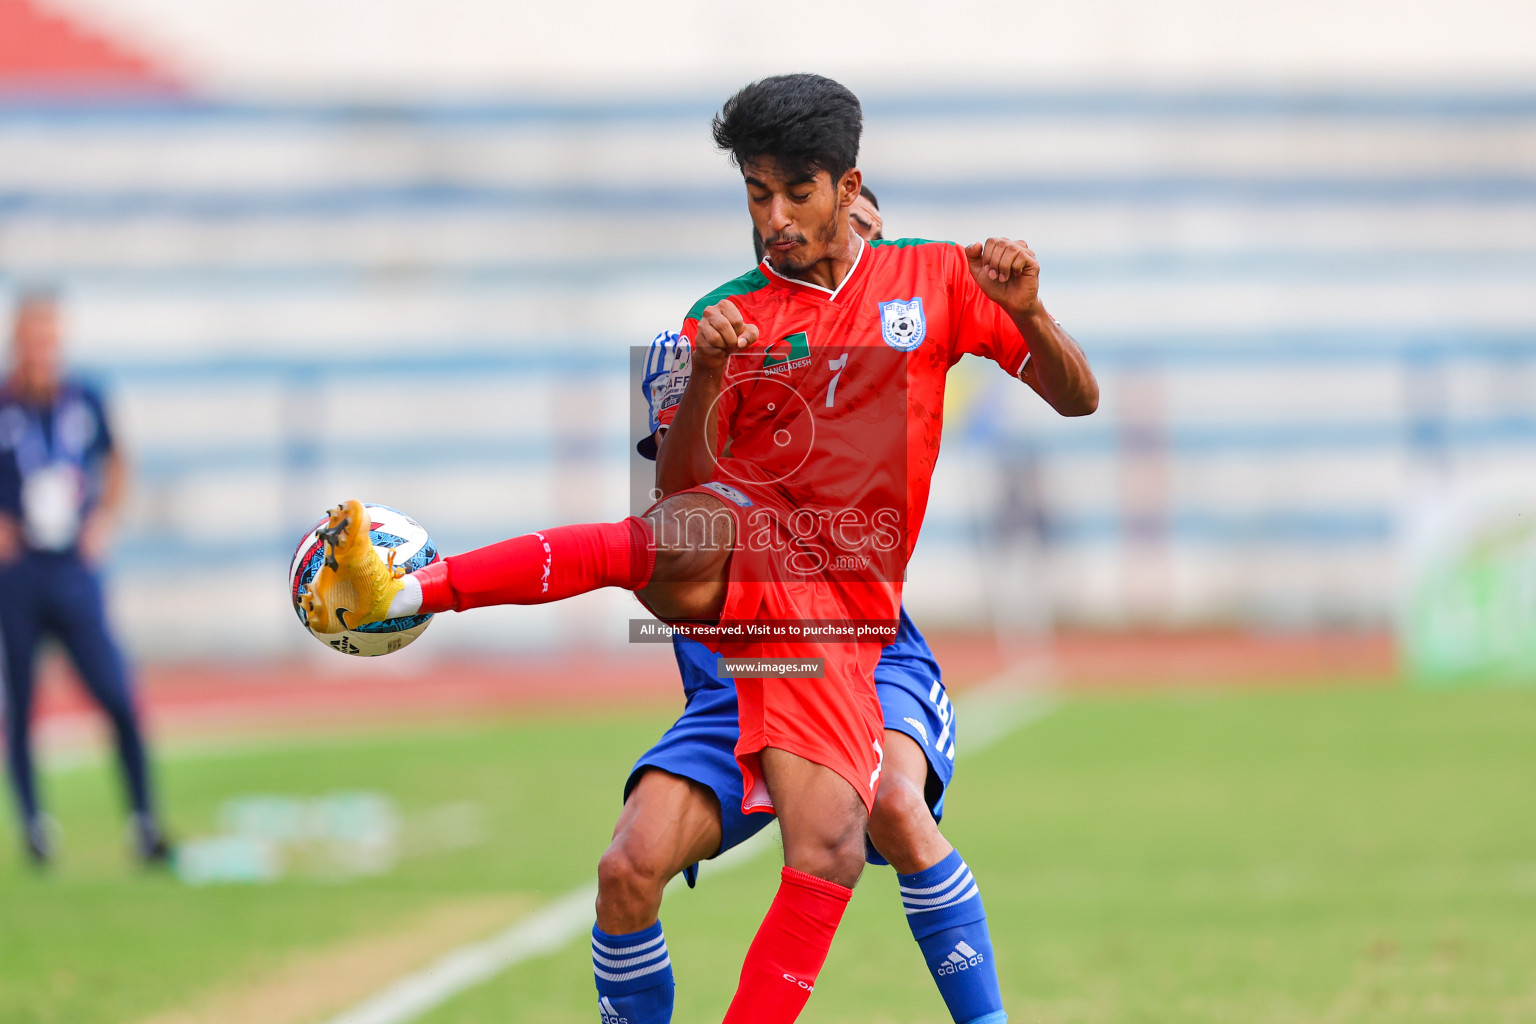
{"x":835,"y":364}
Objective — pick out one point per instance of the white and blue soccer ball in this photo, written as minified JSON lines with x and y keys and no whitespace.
{"x":390,"y":530}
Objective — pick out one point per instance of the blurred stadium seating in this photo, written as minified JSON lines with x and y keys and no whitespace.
{"x":1311,"y":312}
{"x":1303,"y":309}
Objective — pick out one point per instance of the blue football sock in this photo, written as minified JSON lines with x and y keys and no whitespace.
{"x":634,"y":976}
{"x":944,"y":910}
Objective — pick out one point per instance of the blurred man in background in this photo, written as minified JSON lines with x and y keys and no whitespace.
{"x":61,"y":488}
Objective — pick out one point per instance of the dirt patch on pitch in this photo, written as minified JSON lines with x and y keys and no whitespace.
{"x":315,"y":985}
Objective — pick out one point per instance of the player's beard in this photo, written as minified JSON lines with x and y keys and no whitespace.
{"x":825,"y":234}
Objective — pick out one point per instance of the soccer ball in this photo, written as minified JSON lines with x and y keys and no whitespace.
{"x":389,"y":529}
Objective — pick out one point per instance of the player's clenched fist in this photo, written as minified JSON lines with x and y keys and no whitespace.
{"x":721,"y":332}
{"x":1007,"y":272}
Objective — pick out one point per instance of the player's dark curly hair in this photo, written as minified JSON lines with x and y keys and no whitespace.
{"x":804,"y":123}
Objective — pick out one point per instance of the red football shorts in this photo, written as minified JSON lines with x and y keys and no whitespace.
{"x":834,"y":721}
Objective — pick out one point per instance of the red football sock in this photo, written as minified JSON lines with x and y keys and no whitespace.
{"x":791,"y":945}
{"x":549,"y":565}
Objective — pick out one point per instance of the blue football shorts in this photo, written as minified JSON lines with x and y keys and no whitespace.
{"x":701,"y":744}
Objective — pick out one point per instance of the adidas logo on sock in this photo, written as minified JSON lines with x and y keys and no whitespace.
{"x":961,"y":958}
{"x":610,"y":1015}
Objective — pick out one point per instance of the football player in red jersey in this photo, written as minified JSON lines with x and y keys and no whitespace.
{"x":795,"y":476}
{"x":682,"y":799}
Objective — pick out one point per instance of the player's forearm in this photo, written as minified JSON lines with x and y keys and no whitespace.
{"x":10,"y":538}
{"x":114,"y":486}
{"x":1057,"y":368}
{"x":687,"y":458}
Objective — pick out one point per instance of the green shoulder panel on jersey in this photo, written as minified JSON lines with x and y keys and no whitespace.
{"x":747,"y":283}
{"x":903,"y":243}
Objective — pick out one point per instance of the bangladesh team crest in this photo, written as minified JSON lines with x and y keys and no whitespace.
{"x":902,"y":324}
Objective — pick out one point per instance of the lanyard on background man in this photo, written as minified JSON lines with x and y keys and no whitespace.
{"x":51,"y":485}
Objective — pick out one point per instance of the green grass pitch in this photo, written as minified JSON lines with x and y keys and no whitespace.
{"x":1339,"y":856}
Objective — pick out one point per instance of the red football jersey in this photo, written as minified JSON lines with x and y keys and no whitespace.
{"x":839,"y":405}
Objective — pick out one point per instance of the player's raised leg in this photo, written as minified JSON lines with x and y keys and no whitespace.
{"x":941,"y":898}
{"x":682,"y":575}
{"x":668,"y":823}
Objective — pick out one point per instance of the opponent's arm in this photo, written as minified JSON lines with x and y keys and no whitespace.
{"x":96,"y":532}
{"x":687,"y":459}
{"x":10,"y":494}
{"x":1009,"y":274}
{"x":662,"y":382}
{"x":10,"y":539}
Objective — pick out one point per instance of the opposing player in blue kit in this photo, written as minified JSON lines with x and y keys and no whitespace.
{"x":683,"y":799}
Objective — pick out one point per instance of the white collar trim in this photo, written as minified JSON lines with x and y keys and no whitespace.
{"x":830,"y":292}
